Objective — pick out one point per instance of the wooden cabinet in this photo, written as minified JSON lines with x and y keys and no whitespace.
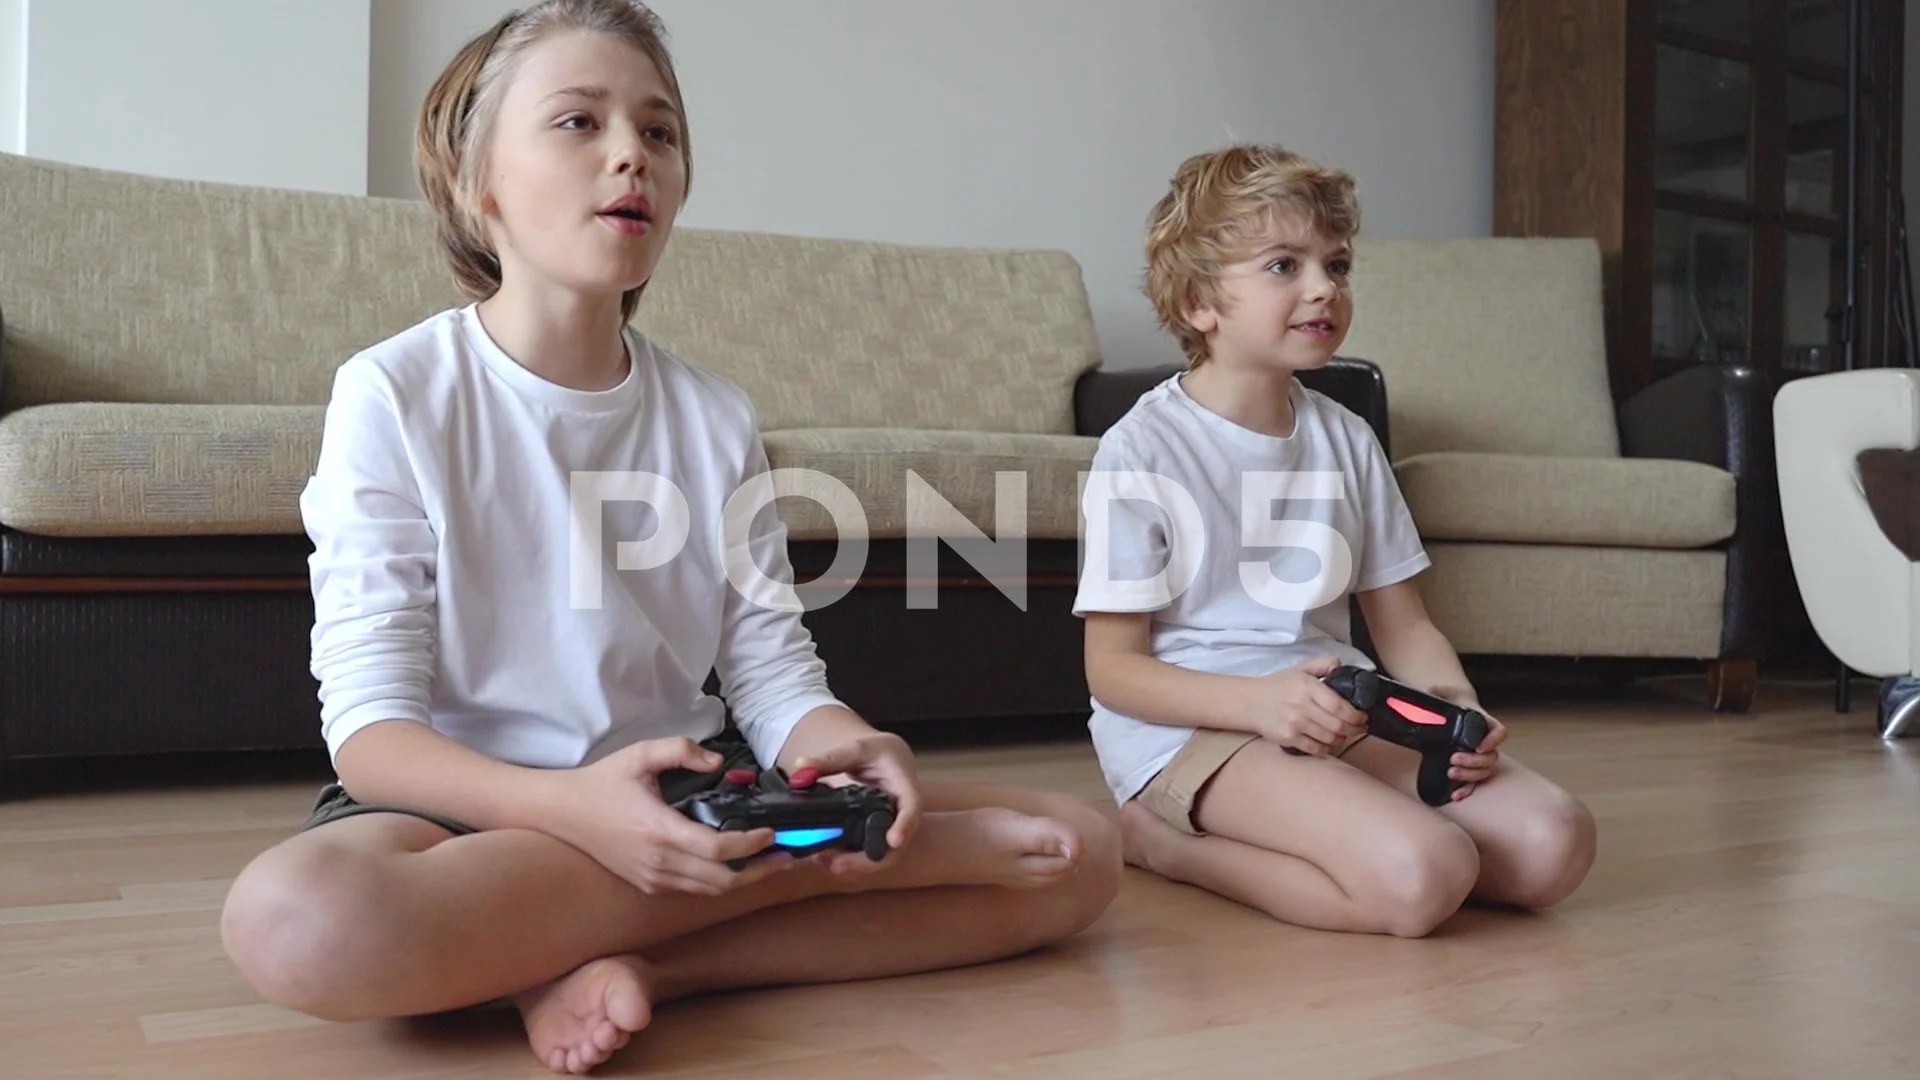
{"x":1703,"y":143}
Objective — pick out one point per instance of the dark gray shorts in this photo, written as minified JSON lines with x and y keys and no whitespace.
{"x":675,"y":784}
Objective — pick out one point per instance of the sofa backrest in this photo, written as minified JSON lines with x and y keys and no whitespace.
{"x":850,"y":334}
{"x":1487,"y":344}
{"x":122,"y":287}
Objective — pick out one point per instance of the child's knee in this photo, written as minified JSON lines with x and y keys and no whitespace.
{"x":1099,"y":837}
{"x":1083,"y":896}
{"x":1420,"y":878}
{"x":298,"y":921}
{"x":1558,"y":842}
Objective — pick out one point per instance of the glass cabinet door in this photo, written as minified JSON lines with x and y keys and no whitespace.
{"x":1749,"y":178}
{"x":1702,"y":124}
{"x":1728,"y":20}
{"x":1704,"y":179}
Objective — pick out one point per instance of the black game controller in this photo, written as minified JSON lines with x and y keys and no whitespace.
{"x":806,"y":816}
{"x":1398,"y":713}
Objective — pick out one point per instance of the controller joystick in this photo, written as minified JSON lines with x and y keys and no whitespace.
{"x":806,"y":817}
{"x":1398,"y":713}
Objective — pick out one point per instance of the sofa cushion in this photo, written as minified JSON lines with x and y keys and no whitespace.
{"x":1625,"y":502}
{"x":1547,"y":599}
{"x":961,"y":466}
{"x":97,"y":469}
{"x":1489,"y":344}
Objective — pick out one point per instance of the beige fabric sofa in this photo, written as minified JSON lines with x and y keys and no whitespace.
{"x":167,"y":354}
{"x":171,"y":347}
{"x":1560,"y":525}
{"x":168,"y":348}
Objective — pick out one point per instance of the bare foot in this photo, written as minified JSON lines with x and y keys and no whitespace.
{"x":1143,"y":836}
{"x":576,"y":1022}
{"x":1019,"y":850}
{"x":989,"y":846}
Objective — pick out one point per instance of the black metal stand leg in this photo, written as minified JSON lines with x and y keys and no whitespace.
{"x":1843,"y":690}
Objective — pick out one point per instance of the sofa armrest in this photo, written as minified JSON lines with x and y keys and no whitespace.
{"x":1723,"y":416}
{"x":1101,"y":397}
{"x":1360,"y":386}
{"x":1707,"y":413}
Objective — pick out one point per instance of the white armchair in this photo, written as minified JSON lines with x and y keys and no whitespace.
{"x":1851,"y":540}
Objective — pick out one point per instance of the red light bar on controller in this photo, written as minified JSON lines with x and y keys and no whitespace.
{"x":1414,"y":712}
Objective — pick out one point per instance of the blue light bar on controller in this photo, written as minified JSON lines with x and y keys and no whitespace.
{"x":806,"y":837}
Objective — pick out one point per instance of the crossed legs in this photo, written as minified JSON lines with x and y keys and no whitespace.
{"x":387,"y":915}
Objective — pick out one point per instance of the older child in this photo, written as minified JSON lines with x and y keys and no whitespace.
{"x":506,"y":747}
{"x":1215,"y":602}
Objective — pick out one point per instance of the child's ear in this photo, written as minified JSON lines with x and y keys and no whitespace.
{"x":480,"y":203}
{"x":479,"y":207}
{"x":1201,"y":316}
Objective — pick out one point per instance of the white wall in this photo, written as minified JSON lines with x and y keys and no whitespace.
{"x":13,"y":71}
{"x":1030,"y":123}
{"x":242,"y":91}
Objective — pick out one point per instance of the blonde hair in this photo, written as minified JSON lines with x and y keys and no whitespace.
{"x":457,"y":118}
{"x":1218,"y":210}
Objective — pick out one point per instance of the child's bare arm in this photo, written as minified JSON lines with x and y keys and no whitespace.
{"x":1124,"y":674}
{"x":1412,"y":649}
{"x":404,"y":763}
{"x":836,"y":740}
{"x":826,"y":728}
{"x":1291,"y":707}
{"x":610,"y":809}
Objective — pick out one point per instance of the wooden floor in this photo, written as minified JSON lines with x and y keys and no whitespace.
{"x":1755,"y":912}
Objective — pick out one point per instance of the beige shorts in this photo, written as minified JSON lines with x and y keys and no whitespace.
{"x":1174,"y":793}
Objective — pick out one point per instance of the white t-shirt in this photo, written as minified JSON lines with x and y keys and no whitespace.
{"x":1244,"y":546}
{"x":454,"y":578}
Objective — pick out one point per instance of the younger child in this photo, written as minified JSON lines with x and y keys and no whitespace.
{"x":1231,"y":513}
{"x":509,"y":713}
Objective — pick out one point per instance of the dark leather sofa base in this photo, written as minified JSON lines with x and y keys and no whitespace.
{"x":135,"y":648}
{"x":137,"y":673}
{"x":30,"y":555}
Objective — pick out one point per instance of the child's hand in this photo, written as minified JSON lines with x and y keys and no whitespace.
{"x":1478,"y":768}
{"x":614,"y":813}
{"x":1294,"y":709}
{"x":878,"y":760}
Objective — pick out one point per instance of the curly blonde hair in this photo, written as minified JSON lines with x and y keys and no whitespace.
{"x":1219,"y":209}
{"x":456,"y":121}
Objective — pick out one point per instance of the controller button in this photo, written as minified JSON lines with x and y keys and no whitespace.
{"x":742,"y":777}
{"x":803,"y":778}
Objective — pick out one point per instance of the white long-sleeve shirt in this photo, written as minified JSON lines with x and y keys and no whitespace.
{"x":453,"y":523}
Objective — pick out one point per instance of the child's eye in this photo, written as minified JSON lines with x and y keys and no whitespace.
{"x":576,"y":122}
{"x":1340,"y":267}
{"x":1284,"y":265}
{"x":663,"y":133}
